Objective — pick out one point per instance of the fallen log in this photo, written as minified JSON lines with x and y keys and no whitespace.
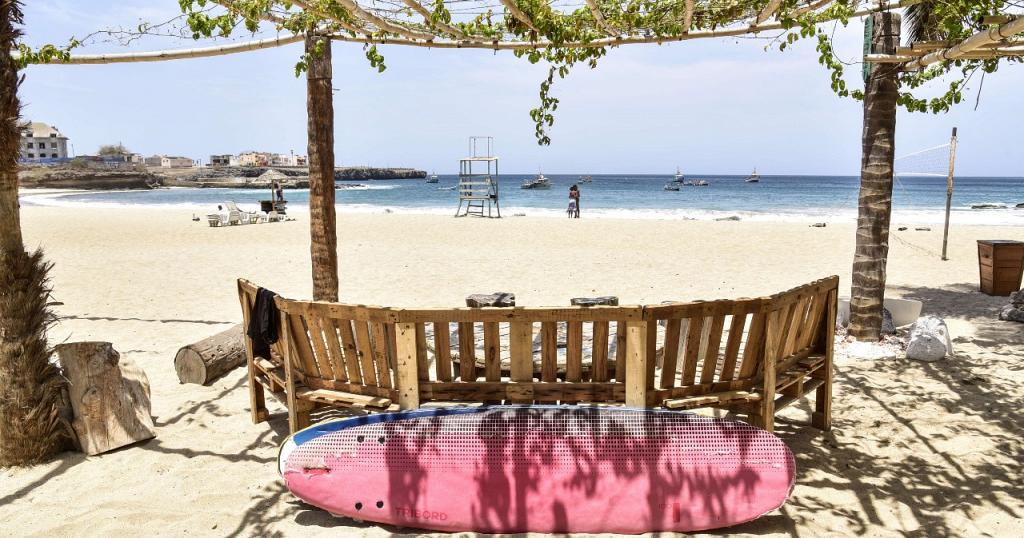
{"x":204,"y":361}
{"x":109,"y":396}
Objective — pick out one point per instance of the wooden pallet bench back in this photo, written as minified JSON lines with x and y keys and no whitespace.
{"x":727,"y":353}
{"x":349,"y":348}
{"x":705,"y":347}
{"x":515,"y":355}
{"x":730,"y":347}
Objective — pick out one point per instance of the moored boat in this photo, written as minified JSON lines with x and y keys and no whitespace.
{"x":753,"y":177}
{"x":539,"y":182}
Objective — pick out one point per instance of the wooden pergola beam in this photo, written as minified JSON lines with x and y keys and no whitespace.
{"x":312,"y":9}
{"x":425,"y":13}
{"x":601,"y":21}
{"x":688,"y":15}
{"x":768,"y":11}
{"x":977,"y":41}
{"x":983,"y":54}
{"x":363,"y":36}
{"x":181,"y":54}
{"x":518,"y":14}
{"x":383,"y":24}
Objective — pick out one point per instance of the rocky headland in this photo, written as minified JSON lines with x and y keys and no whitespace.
{"x":79,"y":176}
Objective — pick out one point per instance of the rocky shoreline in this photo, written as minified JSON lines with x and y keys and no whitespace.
{"x":96,"y":178}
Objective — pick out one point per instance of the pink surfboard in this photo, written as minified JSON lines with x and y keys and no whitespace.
{"x":540,"y":468}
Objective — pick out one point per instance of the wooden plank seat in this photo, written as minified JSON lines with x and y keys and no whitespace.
{"x":749,"y":356}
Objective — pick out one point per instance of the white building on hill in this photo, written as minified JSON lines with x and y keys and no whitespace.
{"x":40,"y":142}
{"x":168,"y":161}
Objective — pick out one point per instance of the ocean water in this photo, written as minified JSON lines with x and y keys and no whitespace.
{"x":775,"y":198}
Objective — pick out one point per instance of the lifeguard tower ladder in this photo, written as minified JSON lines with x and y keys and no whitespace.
{"x":478,"y":180}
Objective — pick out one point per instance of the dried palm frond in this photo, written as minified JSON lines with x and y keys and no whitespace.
{"x":31,"y":427}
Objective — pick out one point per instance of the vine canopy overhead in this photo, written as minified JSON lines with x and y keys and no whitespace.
{"x":565,"y":33}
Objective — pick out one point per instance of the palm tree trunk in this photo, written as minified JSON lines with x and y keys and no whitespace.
{"x":30,"y":387}
{"x":322,"y":224}
{"x":875,"y":204}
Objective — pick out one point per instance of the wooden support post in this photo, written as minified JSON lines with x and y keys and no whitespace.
{"x":878,"y":143}
{"x":636,"y":364}
{"x":320,"y":124}
{"x":821,"y":418}
{"x":407,"y":368}
{"x":949,"y":193}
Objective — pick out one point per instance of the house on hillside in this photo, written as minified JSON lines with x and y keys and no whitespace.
{"x":254,"y":158}
{"x":169,"y":161}
{"x":223,"y":160}
{"x":41,"y":142}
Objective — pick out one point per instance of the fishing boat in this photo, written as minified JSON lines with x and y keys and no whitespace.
{"x":672,"y":186}
{"x":585,"y":179}
{"x":539,"y":182}
{"x":753,"y":177}
{"x":699,"y":183}
{"x":679,"y":177}
{"x":432,"y":178}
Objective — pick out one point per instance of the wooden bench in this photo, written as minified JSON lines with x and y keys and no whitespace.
{"x":749,"y":356}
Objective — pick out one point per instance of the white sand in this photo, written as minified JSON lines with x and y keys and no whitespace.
{"x":929,"y":449}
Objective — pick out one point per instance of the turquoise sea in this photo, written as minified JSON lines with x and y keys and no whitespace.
{"x":916,"y":199}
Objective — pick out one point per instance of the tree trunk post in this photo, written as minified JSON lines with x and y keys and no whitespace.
{"x":322,"y":224}
{"x":875,"y":204}
{"x":31,"y":427}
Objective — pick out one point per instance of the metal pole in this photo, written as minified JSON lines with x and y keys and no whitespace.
{"x":949,"y":193}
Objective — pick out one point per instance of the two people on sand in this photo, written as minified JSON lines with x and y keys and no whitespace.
{"x":574,"y":203}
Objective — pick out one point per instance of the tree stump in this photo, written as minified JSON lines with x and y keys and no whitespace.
{"x":206,"y":360}
{"x":109,"y":396}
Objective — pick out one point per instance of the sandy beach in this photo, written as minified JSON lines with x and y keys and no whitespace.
{"x":921,"y":449}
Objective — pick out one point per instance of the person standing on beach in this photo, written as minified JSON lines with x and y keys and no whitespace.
{"x":574,"y":201}
{"x":279,"y":191}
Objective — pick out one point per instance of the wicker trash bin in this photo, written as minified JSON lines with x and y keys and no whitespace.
{"x":1001,"y":265}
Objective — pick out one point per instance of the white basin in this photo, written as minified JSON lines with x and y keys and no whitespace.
{"x":904,"y":311}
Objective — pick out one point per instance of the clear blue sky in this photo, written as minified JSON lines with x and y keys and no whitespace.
{"x":721,"y":106}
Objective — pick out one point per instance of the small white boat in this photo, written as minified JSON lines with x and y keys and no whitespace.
{"x":539,"y":182}
{"x":448,"y":188}
{"x":753,"y":177}
{"x":679,"y":177}
{"x":432,"y":178}
{"x":698,"y":183}
{"x":585,"y":179}
{"x":672,"y":186}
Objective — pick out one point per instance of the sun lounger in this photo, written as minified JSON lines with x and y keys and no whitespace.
{"x":238,"y":216}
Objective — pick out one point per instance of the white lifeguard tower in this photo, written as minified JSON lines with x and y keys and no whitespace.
{"x":478,"y":180}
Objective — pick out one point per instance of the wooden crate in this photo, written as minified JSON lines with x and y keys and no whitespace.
{"x":1001,"y":265}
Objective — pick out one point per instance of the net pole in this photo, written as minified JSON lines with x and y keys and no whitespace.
{"x":949,"y":193}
